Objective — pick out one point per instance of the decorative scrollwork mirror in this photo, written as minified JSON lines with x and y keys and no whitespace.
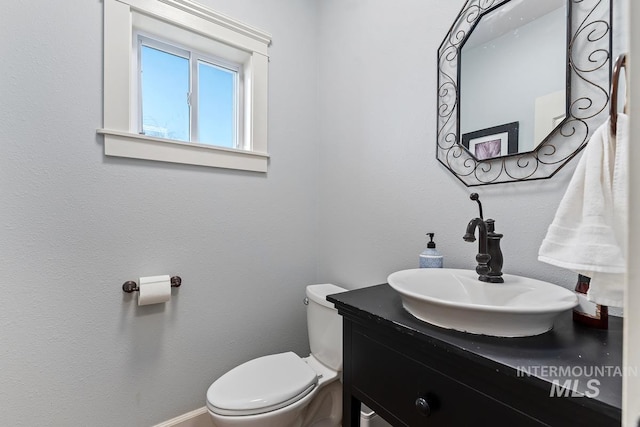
{"x":522,"y":85}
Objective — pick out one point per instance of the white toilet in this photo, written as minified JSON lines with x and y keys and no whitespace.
{"x":285,"y":390}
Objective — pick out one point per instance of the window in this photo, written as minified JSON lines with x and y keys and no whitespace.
{"x":217,"y":104}
{"x":187,"y":96}
{"x":164,"y":103}
{"x":197,"y":85}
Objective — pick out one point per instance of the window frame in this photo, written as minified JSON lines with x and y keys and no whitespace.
{"x":222,"y":38}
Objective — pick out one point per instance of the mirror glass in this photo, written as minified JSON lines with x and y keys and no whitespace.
{"x":522,"y":86}
{"x":508,"y":45}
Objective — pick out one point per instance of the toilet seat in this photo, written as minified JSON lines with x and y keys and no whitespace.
{"x":262,"y":385}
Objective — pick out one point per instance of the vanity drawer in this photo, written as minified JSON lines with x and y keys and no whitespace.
{"x":393,"y":384}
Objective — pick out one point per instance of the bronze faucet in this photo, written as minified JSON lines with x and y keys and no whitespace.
{"x":489,"y":255}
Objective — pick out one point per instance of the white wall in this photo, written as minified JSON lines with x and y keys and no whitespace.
{"x":492,"y":76}
{"x":74,"y":225}
{"x":631,"y":384}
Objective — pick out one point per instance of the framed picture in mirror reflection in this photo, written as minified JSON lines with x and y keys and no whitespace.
{"x":492,"y":142}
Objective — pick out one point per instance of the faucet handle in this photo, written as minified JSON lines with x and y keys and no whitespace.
{"x":476,"y":197}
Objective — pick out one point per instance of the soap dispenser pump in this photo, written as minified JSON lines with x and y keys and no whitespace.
{"x":430,"y":257}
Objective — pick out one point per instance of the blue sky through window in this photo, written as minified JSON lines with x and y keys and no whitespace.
{"x":165,"y":106}
{"x":216,"y":121}
{"x":165,"y":87}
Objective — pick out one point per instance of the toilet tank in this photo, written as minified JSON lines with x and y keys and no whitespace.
{"x":324,"y":325}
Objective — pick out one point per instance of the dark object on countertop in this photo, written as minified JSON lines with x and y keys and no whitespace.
{"x":587,"y":312}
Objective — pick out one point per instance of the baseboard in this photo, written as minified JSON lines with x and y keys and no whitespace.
{"x":196,"y":418}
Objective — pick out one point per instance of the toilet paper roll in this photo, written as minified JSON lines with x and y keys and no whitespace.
{"x":154,"y":290}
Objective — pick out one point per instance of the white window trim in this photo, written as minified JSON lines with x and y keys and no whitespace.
{"x":121,"y":141}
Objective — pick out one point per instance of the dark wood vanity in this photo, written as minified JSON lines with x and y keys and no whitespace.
{"x":414,"y":374}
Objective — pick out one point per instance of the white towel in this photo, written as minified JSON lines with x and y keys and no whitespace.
{"x":589,"y":232}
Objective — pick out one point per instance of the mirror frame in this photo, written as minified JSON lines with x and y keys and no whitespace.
{"x":589,"y":46}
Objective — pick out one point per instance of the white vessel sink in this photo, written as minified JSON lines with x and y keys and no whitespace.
{"x":456,"y":299}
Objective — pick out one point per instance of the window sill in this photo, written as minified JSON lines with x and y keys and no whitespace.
{"x":131,"y":145}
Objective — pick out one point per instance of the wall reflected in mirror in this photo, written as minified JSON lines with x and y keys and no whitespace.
{"x":513,"y":69}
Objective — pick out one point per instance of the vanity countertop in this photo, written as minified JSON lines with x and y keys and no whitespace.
{"x":569,"y":351}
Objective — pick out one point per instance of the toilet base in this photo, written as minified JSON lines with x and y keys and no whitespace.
{"x":326,"y":408}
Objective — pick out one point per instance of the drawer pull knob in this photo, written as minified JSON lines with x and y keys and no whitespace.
{"x":423,"y":406}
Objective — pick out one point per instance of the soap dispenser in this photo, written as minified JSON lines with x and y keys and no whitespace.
{"x":430,"y":257}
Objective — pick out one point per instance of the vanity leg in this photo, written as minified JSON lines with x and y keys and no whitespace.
{"x":350,"y":405}
{"x":355,"y":412}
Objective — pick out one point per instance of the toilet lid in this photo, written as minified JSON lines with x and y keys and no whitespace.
{"x":261,"y":385}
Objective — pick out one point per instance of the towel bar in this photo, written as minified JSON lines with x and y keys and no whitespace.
{"x":621,"y":62}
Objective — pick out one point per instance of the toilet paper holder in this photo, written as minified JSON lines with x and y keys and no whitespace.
{"x":131,"y":286}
